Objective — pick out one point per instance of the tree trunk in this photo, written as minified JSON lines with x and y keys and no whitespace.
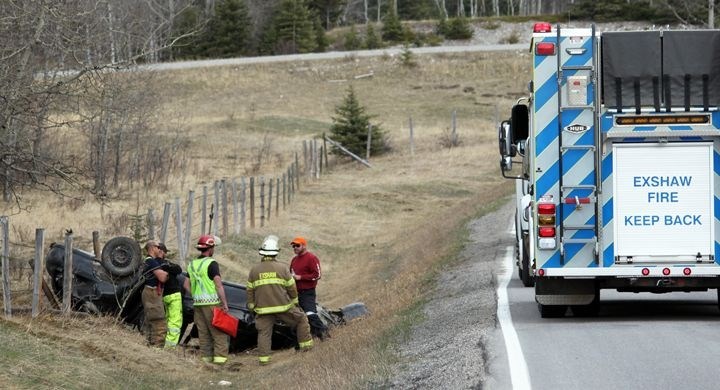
{"x":711,"y":14}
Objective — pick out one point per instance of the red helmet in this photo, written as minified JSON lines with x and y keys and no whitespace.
{"x":205,"y":241}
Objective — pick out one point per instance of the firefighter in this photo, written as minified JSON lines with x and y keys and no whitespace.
{"x":205,"y":285}
{"x":152,"y":300}
{"x":272,"y":296}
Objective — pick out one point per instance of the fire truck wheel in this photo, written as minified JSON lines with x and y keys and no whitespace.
{"x":528,"y":280}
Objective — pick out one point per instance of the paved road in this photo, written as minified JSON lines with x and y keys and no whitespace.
{"x":639,"y":341}
{"x":330,"y":55}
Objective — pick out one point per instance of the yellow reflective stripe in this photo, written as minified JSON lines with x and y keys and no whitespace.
{"x":306,"y":344}
{"x":295,"y":301}
{"x":274,"y":309}
{"x":219,"y":359}
{"x":207,"y":359}
{"x":249,"y":285}
{"x":264,"y":359}
{"x":290,"y":282}
{"x":264,"y":282}
{"x":251,"y":306}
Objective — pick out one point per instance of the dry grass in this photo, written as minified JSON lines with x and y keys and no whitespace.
{"x":381,"y":233}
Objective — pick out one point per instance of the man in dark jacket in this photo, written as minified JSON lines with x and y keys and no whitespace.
{"x":305,"y":267}
{"x":172,"y":298}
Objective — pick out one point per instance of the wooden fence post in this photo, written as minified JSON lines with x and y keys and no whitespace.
{"x":284,"y":176}
{"x":236,"y":225}
{"x":277,"y":197}
{"x":243,"y":187}
{"x":203,"y":211}
{"x":166,"y":222}
{"x":188,"y":223}
{"x":217,"y":208}
{"x":252,"y":202}
{"x":223,"y":201}
{"x":297,"y":171}
{"x":262,"y":201}
{"x":38,"y":269}
{"x":291,"y":183}
{"x":369,"y":142}
{"x":67,"y":274}
{"x":305,"y":157}
{"x":179,"y":229}
{"x":150,"y":225}
{"x":317,"y":158}
{"x":327,"y":165}
{"x":270,"y":195}
{"x":5,"y":223}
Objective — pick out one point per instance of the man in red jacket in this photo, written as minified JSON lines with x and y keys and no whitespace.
{"x":305,"y":268}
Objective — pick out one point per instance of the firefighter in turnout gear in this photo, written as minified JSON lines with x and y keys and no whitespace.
{"x":205,"y":284}
{"x":272,"y":296}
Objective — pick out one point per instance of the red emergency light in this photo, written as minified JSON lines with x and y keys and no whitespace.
{"x":546,"y":208}
{"x":542,"y":27}
{"x":545,"y":49}
{"x":545,"y":231}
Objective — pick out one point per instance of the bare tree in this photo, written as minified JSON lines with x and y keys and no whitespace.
{"x":51,"y":52}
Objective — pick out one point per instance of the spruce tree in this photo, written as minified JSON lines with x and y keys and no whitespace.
{"x":350,"y":128}
{"x":228,"y":32}
{"x":372,"y":40}
{"x":294,"y":28}
{"x":392,"y":29}
{"x":352,"y":40}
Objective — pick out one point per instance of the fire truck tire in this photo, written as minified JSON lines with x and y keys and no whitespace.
{"x":552,"y":311}
{"x":528,"y":280}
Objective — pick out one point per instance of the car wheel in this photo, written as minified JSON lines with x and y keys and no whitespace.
{"x":121,"y":256}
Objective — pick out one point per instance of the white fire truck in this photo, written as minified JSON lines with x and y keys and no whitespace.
{"x":616,"y":157}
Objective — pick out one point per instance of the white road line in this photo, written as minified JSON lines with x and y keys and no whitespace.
{"x":518,"y":367}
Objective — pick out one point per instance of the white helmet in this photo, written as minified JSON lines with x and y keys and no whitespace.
{"x":270,"y":246}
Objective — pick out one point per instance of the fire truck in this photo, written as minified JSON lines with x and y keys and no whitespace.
{"x":616,"y":156}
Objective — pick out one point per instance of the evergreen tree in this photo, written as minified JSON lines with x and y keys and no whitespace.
{"x":392,"y":29}
{"x":372,"y":40}
{"x":320,"y":38}
{"x":294,"y":28}
{"x":352,"y":40}
{"x":459,"y":28}
{"x":188,"y":19}
{"x":228,"y":32}
{"x":350,"y":128}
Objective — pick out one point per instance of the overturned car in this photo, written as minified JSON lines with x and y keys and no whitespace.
{"x":113,"y":286}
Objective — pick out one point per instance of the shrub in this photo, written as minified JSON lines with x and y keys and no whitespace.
{"x":352,"y":40}
{"x":350,"y":128}
{"x":459,"y":28}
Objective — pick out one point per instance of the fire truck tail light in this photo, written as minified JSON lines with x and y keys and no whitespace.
{"x":542,"y":27}
{"x":546,"y":219}
{"x":646,"y":271}
{"x":666,"y":271}
{"x":547,"y":243}
{"x":545,"y":49}
{"x":546,"y":208}
{"x":687,"y":271}
{"x":541,"y":272}
{"x":546,"y":232}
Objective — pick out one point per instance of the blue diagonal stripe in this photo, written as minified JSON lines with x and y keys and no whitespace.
{"x":547,"y":135}
{"x":609,"y":256}
{"x":547,"y":180}
{"x":607,"y":212}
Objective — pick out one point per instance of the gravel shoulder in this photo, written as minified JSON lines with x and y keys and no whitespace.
{"x":457,"y":343}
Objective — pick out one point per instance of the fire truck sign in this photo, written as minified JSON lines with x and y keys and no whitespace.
{"x":663,"y":200}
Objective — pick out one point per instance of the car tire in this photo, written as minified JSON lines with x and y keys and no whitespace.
{"x":121,"y":256}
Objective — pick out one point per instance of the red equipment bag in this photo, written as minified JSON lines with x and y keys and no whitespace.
{"x":225,"y":322}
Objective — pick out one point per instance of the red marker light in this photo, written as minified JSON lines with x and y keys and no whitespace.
{"x":666,"y":271}
{"x":541,"y":272}
{"x":546,"y":208}
{"x":687,"y":271}
{"x":645,"y":271}
{"x":546,"y":232}
{"x":545,"y":49}
{"x":542,"y":27}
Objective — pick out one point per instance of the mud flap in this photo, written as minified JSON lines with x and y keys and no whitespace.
{"x":560,"y":291}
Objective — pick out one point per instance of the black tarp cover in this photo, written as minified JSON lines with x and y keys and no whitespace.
{"x":661,"y":60}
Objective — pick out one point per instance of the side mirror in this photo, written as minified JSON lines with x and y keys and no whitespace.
{"x":520,"y":123}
